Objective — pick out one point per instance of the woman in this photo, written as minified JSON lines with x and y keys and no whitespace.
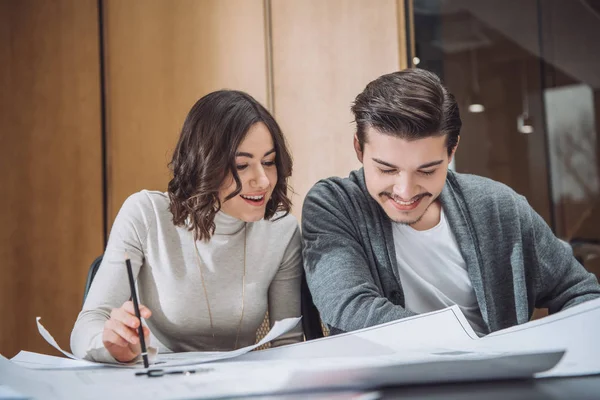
{"x":211,"y":253}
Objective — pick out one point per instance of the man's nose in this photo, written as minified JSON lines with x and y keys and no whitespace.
{"x":404,"y":187}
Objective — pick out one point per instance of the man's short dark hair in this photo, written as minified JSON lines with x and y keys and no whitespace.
{"x":410,"y":104}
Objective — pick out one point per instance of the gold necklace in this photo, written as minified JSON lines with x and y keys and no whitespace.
{"x":199,"y":261}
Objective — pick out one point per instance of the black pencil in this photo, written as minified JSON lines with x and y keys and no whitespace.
{"x":136,"y":307}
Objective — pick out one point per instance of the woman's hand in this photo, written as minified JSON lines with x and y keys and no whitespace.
{"x":120,"y":335}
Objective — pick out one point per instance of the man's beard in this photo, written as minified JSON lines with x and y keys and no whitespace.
{"x":418,"y":197}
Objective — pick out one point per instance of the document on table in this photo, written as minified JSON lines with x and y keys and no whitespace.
{"x":32,"y":360}
{"x":575,"y":329}
{"x":163,"y":360}
{"x":223,"y":380}
{"x":445,"y":330}
{"x":427,"y":348}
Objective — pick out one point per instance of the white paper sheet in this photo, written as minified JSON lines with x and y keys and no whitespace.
{"x":576,"y":330}
{"x":193,"y":358}
{"x":7,"y":393}
{"x":32,"y":360}
{"x":188,"y":358}
{"x":50,"y":339}
{"x":445,"y":329}
{"x":277,"y":376}
{"x":428,"y":348}
{"x":427,"y":369}
{"x":27,"y":382}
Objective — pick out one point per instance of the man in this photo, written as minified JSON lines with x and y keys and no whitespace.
{"x":403,"y":235}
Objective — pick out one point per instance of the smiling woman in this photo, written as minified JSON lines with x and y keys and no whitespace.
{"x":212,"y":253}
{"x":228,"y":136}
{"x":257,"y":171}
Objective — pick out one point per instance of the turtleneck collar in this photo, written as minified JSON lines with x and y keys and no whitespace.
{"x":227,"y":225}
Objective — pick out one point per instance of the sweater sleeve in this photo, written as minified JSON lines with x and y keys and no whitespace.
{"x":284,"y":291}
{"x":562,"y":282}
{"x":110,"y":288}
{"x":337,"y":270}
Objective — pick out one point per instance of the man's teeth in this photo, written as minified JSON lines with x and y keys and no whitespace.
{"x":253,"y":197}
{"x":405,"y":203}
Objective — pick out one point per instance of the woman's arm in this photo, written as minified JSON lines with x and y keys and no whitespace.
{"x":110,"y":288}
{"x":284,"y":291}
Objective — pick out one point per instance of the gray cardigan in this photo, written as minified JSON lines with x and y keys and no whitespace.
{"x":513,"y":259}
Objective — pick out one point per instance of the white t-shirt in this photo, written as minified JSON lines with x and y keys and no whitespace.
{"x":433,"y":272}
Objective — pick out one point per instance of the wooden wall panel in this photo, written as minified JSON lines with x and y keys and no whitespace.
{"x":162,"y":56}
{"x":324,"y":53}
{"x":50,"y":166}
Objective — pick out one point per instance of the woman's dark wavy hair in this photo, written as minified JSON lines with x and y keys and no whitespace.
{"x":410,"y":104}
{"x":205,"y":155}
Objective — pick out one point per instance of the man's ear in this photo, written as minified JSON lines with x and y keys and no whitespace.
{"x":454,"y":150}
{"x":359,"y":153}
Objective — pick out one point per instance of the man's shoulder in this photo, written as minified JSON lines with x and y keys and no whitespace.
{"x":481,"y":189}
{"x":336,"y":188}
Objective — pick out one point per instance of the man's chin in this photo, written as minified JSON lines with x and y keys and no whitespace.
{"x":404,"y":217}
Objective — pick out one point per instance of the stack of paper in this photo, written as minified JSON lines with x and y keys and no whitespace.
{"x":428,"y":348}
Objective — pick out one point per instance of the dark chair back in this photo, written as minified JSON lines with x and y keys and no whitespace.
{"x":91,"y":274}
{"x":311,"y":320}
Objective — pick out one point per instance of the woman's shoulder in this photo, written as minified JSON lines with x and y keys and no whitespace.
{"x":146,"y":203}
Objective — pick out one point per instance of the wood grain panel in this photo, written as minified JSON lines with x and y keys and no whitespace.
{"x":162,"y":56}
{"x":50,"y":163}
{"x":324,"y":53}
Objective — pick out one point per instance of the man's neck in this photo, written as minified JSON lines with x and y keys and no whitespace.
{"x":431,"y":217}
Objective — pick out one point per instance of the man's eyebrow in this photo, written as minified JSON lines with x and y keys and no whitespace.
{"x":387,"y":164}
{"x":431,"y":164}
{"x":428,"y":165}
{"x":250,"y":155}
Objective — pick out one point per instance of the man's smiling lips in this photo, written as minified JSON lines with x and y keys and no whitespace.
{"x":406,"y":205}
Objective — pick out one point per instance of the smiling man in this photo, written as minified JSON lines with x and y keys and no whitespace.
{"x":404,"y":235}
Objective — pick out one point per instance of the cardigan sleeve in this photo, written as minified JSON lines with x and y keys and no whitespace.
{"x":337,"y":270}
{"x":562,"y":282}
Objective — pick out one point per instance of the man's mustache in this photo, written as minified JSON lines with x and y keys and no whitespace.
{"x":396,"y":198}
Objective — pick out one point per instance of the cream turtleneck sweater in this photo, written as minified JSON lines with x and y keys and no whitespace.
{"x":169,"y":283}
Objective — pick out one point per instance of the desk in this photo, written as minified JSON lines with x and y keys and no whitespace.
{"x":558,"y":388}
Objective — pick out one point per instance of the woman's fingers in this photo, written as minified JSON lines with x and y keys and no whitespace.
{"x":120,"y":334}
{"x":121,"y":315}
{"x":144,"y":311}
{"x":111,"y":337}
{"x":127,"y":333}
